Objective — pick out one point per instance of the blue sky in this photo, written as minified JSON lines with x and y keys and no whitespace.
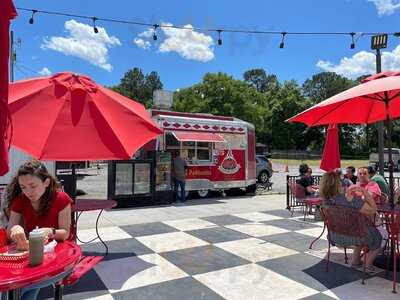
{"x":54,"y":44}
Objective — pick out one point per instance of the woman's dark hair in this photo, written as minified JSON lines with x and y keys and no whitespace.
{"x":303,"y":168}
{"x":35,"y":168}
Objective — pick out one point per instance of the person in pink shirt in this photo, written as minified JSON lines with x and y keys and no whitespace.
{"x":371,"y":186}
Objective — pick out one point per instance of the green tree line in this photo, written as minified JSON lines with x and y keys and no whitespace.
{"x":261,"y":99}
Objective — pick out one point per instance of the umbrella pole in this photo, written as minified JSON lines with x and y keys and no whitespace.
{"x":389,"y":145}
{"x":73,"y":174}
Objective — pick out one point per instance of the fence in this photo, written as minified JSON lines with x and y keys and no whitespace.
{"x":290,"y":198}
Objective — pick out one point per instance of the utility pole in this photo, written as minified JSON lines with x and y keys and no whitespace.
{"x":379,"y":42}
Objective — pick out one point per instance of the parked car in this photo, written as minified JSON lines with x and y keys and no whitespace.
{"x":264,"y":168}
{"x":374,"y":158}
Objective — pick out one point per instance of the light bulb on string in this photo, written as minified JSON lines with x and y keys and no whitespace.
{"x":154,"y":32}
{"x":353,"y":44}
{"x":219,"y":37}
{"x":94,"y":25}
{"x":31,"y":20}
{"x":282,"y":44}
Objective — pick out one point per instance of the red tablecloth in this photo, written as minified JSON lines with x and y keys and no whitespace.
{"x":64,"y":258}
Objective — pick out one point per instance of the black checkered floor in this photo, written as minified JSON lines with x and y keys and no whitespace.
{"x":259,"y":255}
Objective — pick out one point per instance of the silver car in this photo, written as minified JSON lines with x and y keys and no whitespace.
{"x":264,"y":169}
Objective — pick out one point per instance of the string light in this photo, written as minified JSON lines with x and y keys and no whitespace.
{"x":219,"y":37}
{"x":353,"y":44}
{"x":94,"y":25}
{"x":31,"y":20}
{"x":154,"y":32}
{"x":219,"y":31}
{"x":282,"y":44}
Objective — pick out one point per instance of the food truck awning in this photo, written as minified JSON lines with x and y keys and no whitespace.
{"x":198,"y":137}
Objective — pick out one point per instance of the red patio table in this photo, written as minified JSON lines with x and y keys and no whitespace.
{"x":82,"y":205}
{"x":14,"y":277}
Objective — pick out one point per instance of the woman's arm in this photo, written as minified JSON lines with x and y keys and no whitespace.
{"x":16,"y":232}
{"x":64,"y":225}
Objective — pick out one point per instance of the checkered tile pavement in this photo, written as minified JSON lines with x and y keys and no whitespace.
{"x":259,"y":255}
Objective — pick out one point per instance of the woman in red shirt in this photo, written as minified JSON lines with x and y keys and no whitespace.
{"x":35,"y":200}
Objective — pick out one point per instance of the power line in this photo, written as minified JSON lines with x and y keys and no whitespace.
{"x":218,"y":31}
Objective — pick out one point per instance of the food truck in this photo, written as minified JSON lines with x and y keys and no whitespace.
{"x":219,"y":150}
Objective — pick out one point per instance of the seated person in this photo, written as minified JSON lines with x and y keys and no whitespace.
{"x":371,"y":186}
{"x":350,"y":174}
{"x":330,"y":193}
{"x":35,"y":201}
{"x":344,"y":182}
{"x":379,"y":179}
{"x":305,"y":180}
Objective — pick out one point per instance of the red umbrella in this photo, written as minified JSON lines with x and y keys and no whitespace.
{"x":68,"y":117}
{"x":376,"y":99}
{"x":331,"y":155}
{"x":7,"y":13}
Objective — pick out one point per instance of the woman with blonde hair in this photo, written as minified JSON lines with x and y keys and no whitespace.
{"x":358,"y":199}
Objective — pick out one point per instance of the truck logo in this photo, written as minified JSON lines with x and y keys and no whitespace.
{"x":229,"y":165}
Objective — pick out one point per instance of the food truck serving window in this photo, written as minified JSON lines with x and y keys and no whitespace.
{"x":193,"y":145}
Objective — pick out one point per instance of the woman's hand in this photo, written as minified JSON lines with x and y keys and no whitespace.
{"x":18,"y":235}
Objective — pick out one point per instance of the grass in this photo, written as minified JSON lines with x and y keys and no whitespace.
{"x":315,"y":162}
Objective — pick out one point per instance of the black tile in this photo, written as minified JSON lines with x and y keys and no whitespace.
{"x":203,"y":259}
{"x":284,"y":213}
{"x":89,"y":286}
{"x":116,"y":272}
{"x":186,"y":288}
{"x":218,"y":234}
{"x":319,"y":296}
{"x":223,"y":220}
{"x":291,"y":224}
{"x":311,"y":271}
{"x":116,"y":248}
{"x":295,"y":241}
{"x":148,"y":229}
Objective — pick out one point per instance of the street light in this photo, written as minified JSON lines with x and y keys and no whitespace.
{"x":379,"y":42}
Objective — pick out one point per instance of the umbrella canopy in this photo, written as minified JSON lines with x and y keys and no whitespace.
{"x":366,"y":103}
{"x":68,"y":117}
{"x":331,"y":155}
{"x":376,"y":99}
{"x":7,"y":13}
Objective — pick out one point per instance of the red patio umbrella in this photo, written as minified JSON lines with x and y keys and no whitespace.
{"x":8,"y":13}
{"x":376,"y":99}
{"x":68,"y":117}
{"x":331,"y":155}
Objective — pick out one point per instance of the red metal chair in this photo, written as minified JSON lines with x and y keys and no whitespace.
{"x":392,"y":221}
{"x":306,"y":203}
{"x":350,"y":223}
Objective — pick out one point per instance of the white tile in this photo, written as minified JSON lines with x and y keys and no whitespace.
{"x":170,"y":241}
{"x":257,"y":216}
{"x":257,"y":229}
{"x":106,"y":233}
{"x":102,"y":297}
{"x":314,"y":232}
{"x":255,"y":250}
{"x":374,"y":288}
{"x":253,"y":282}
{"x":337,"y":254}
{"x":190,"y":224}
{"x":159,"y":270}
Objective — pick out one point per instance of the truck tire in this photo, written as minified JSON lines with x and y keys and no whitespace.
{"x":251,"y":189}
{"x":203,"y":193}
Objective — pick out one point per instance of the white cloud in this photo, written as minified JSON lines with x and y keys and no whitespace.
{"x":186,"y":42}
{"x":362,"y":63}
{"x":141,"y":43}
{"x":386,"y":7}
{"x":45,"y":71}
{"x":82,"y":42}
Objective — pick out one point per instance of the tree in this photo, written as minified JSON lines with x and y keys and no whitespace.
{"x":139,"y":87}
{"x":260,"y":80}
